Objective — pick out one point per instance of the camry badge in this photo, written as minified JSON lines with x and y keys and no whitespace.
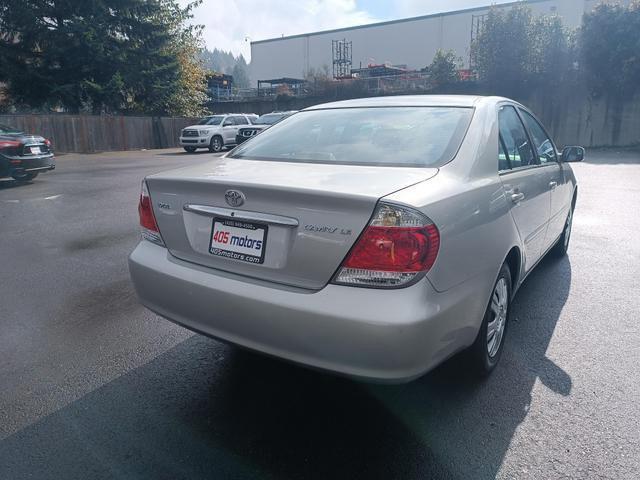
{"x":235,"y":198}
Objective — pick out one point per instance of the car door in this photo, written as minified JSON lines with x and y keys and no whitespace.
{"x":241,"y":121}
{"x":526,"y":184}
{"x":559,"y":184}
{"x":229,"y":130}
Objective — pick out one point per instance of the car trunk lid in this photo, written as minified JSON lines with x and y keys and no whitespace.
{"x":304,"y":217}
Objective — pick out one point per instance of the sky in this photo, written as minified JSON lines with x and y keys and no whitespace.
{"x":232,"y":24}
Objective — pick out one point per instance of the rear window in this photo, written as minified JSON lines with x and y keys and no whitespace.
{"x":215,"y":120}
{"x":389,"y":136}
{"x":268,"y":119}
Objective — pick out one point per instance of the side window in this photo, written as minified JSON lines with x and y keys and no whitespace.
{"x":241,"y":120}
{"x":518,"y":151}
{"x":541,"y":142}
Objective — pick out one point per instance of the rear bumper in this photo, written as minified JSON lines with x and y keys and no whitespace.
{"x":377,"y":335}
{"x":10,"y":164}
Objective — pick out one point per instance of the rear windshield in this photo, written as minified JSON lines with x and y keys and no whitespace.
{"x":395,"y":136}
{"x":269,"y":119}
{"x":215,"y":120}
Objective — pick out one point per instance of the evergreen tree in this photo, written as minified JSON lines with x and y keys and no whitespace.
{"x":240,"y":73}
{"x":220,"y":61}
{"x":99,"y":56}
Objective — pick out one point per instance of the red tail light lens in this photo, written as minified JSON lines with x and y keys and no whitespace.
{"x":9,"y":144}
{"x":150,"y":230}
{"x":400,"y":249}
{"x":398,"y":245}
{"x":47,"y":142}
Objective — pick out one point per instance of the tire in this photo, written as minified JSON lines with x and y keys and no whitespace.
{"x":485,"y":353}
{"x":216,"y":144}
{"x":559,"y":250}
{"x":24,"y":177}
{"x":189,"y":149}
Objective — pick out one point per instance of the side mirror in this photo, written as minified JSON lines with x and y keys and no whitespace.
{"x":228,"y":123}
{"x":572,"y":154}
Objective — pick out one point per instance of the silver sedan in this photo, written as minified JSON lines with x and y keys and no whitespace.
{"x":373,"y":238}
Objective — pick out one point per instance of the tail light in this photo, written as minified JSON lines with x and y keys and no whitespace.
{"x":148,"y":222}
{"x":9,"y":144}
{"x":398,"y":246}
{"x":47,"y":142}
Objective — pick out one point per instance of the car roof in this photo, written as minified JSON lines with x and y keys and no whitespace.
{"x":411,"y":101}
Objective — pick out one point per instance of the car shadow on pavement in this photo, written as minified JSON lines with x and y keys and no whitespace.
{"x":206,"y":410}
{"x":470,"y":422}
{"x":7,"y":184}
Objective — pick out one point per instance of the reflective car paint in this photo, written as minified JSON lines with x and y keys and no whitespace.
{"x":289,"y":308}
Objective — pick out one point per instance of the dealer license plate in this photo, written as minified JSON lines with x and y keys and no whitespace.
{"x":238,"y":240}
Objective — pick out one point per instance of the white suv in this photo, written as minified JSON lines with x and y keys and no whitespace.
{"x":214,"y":132}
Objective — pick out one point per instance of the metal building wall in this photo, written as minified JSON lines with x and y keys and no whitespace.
{"x":413,"y":42}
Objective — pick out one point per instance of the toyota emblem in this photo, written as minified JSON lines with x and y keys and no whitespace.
{"x":235,"y":198}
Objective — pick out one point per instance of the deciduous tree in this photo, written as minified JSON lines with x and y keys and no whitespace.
{"x":443,"y":70}
{"x":517,"y":50}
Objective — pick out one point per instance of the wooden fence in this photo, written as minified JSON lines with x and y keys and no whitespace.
{"x":99,"y":133}
{"x":571,"y":114}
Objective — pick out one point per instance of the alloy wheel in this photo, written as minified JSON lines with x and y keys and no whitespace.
{"x":498,"y":321}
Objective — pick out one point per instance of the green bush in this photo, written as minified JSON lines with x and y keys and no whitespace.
{"x":610,"y":49}
{"x":443,"y":70}
{"x":517,"y":50}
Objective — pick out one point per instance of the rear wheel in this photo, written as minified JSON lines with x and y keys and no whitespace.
{"x":561,"y":247}
{"x":215,"y":145}
{"x":190,"y":149}
{"x":24,"y":176}
{"x":485,"y":352}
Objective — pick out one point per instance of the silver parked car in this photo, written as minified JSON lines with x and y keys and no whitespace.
{"x":373,"y":238}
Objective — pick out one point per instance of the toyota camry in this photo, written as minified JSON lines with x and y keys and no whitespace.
{"x":373,"y":238}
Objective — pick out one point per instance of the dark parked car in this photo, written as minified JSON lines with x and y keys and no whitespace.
{"x":24,"y":156}
{"x":262,"y":123}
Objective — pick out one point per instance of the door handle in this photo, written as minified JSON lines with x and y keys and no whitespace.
{"x":517,"y":197}
{"x":553,"y":184}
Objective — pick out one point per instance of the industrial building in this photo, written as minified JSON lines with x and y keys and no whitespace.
{"x":410,"y":43}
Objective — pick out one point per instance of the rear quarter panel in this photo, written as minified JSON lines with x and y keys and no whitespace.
{"x":467,"y":202}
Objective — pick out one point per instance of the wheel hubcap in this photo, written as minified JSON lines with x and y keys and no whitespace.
{"x":498,"y":319}
{"x":216,"y":144}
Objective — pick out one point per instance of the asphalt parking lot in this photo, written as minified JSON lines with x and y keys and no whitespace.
{"x":93,"y":386}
